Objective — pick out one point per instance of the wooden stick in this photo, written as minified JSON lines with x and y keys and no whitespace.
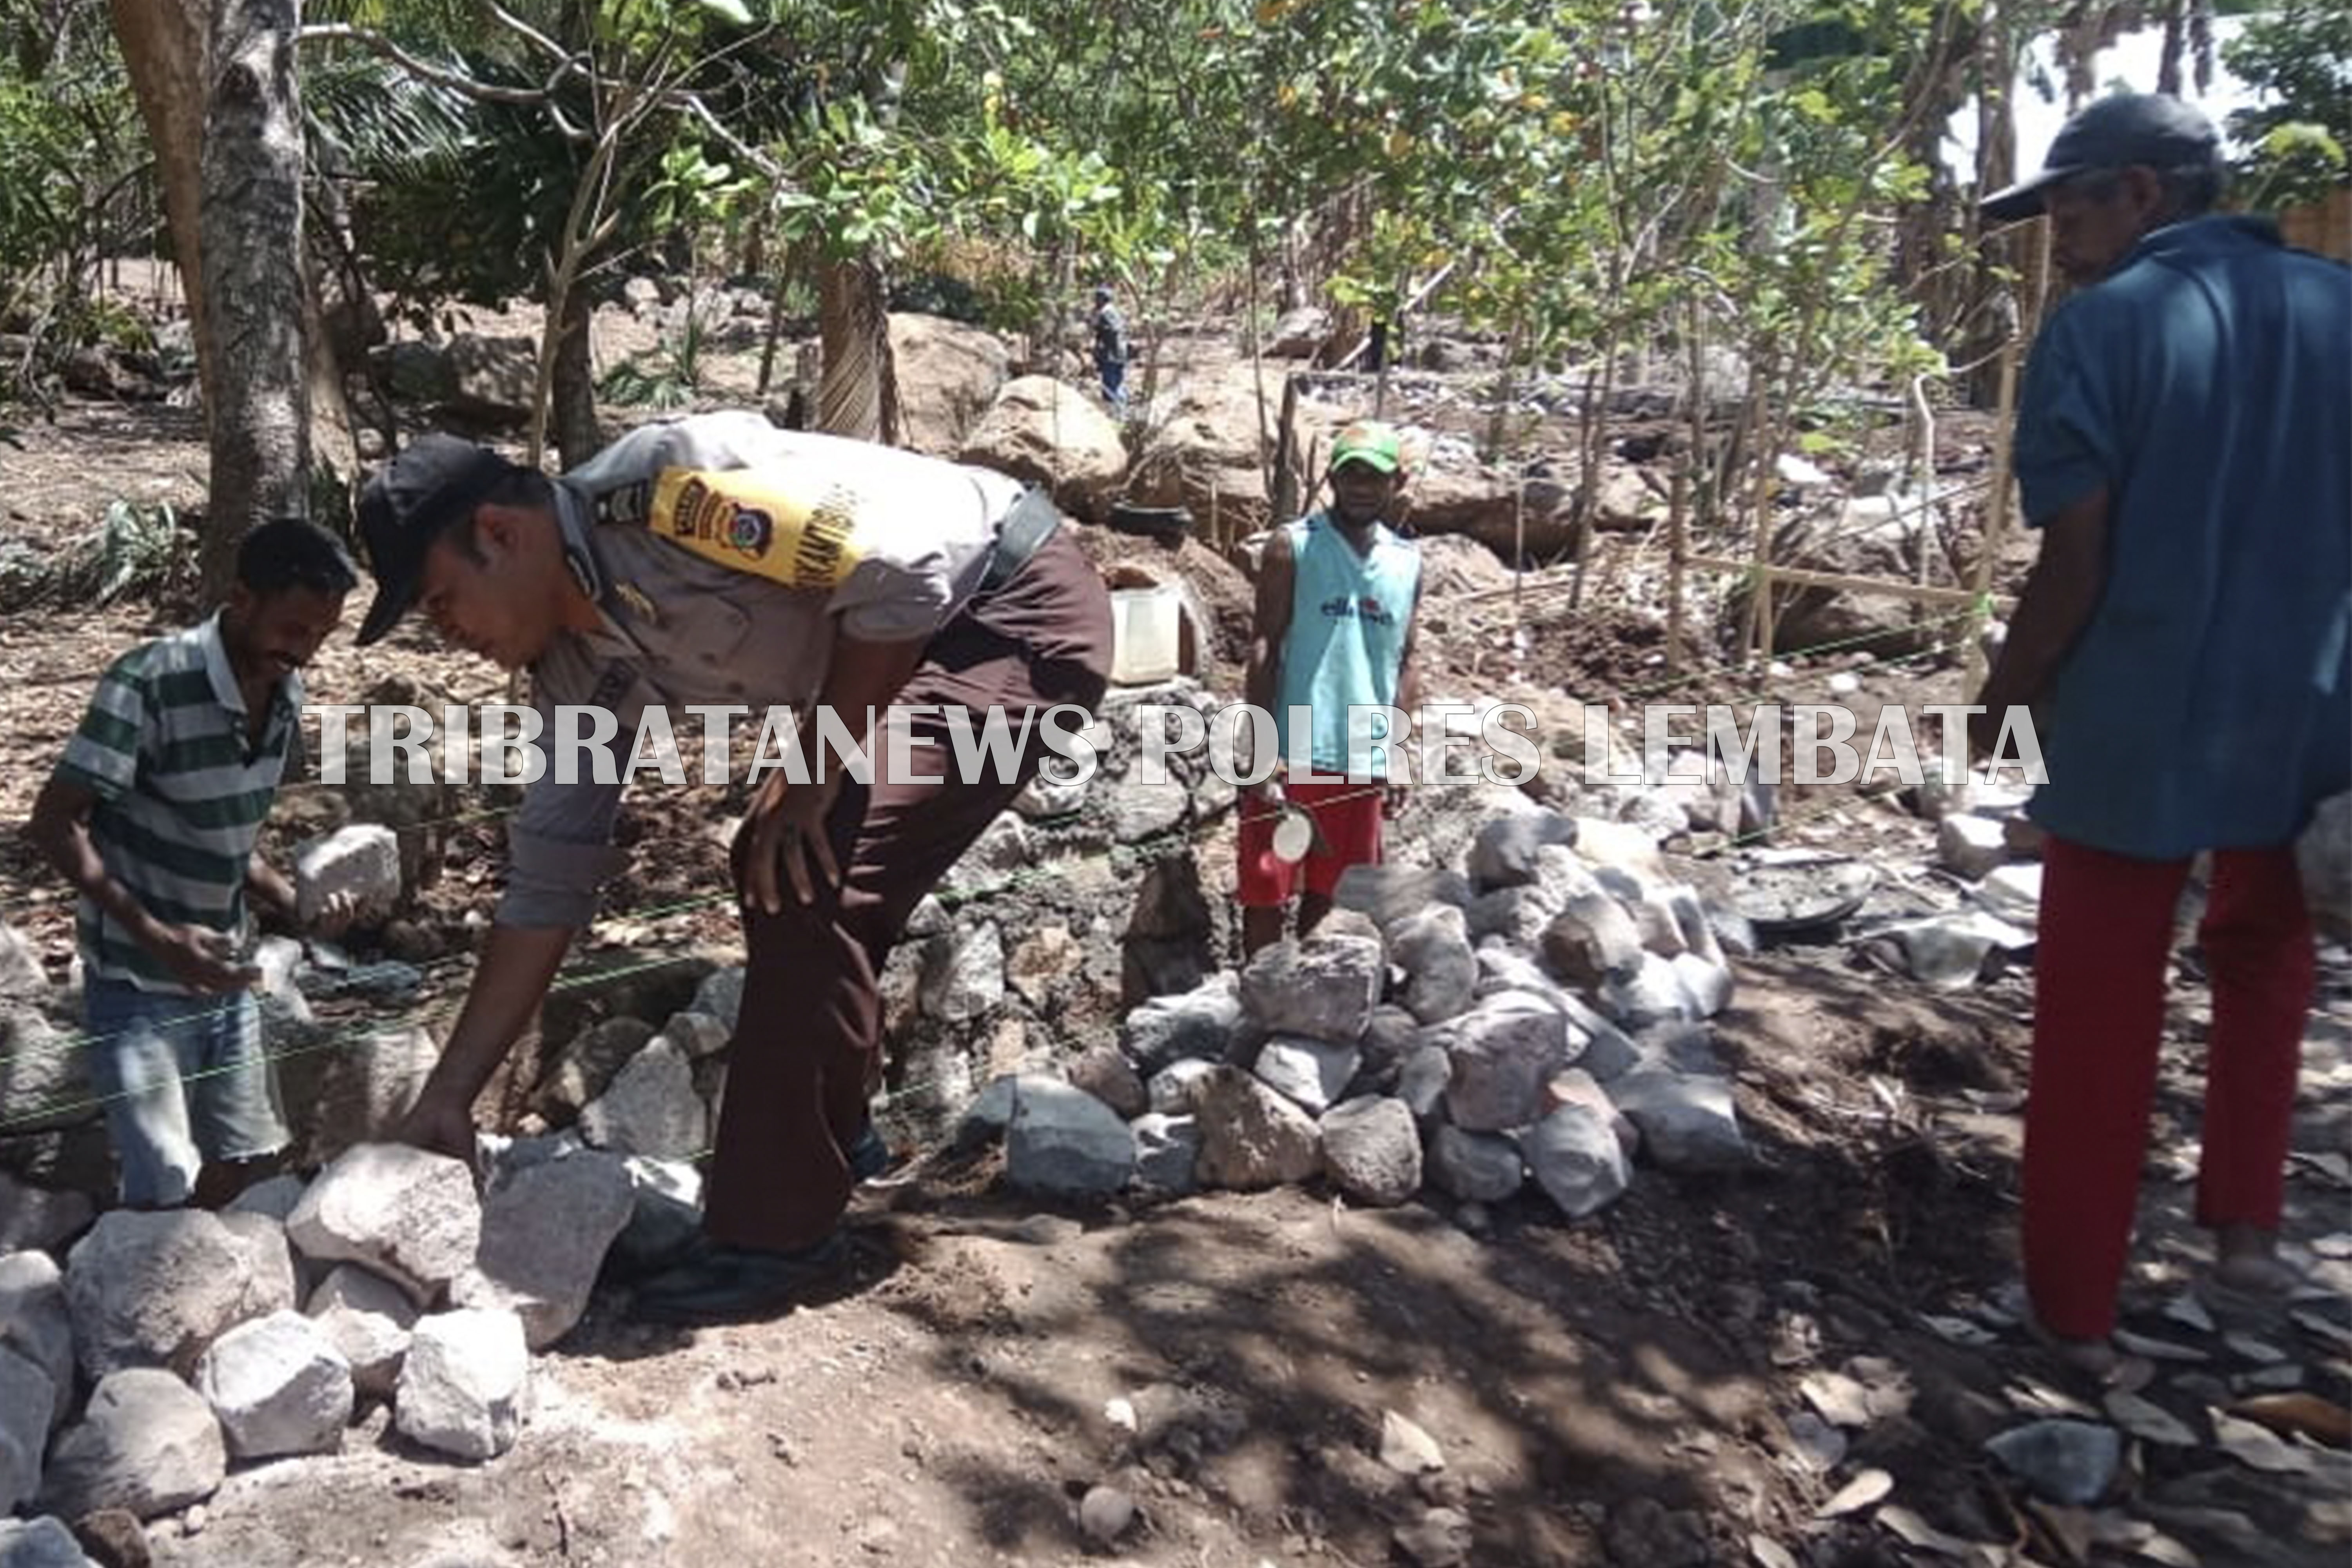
{"x":1997,"y":513}
{"x":1799,"y":578}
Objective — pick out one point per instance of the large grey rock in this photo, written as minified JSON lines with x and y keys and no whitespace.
{"x":1110,"y":1078}
{"x":274,"y":1198}
{"x":464,"y":1387}
{"x":153,"y":1289}
{"x":367,"y":1318}
{"x":1324,"y":988}
{"x":44,"y":1080}
{"x":721,"y":995}
{"x":36,"y":1322}
{"x":1421,"y":1082}
{"x":1308,"y":1073}
{"x":1171,"y":1089}
{"x":2071,"y":1463}
{"x":1650,"y":992}
{"x":1047,"y":433}
{"x":1440,"y":966}
{"x":1065,"y":1143}
{"x":990,"y":1112}
{"x":36,"y":1219}
{"x":22,"y":975}
{"x":494,"y":378}
{"x":1475,"y":1167}
{"x":1393,"y":893}
{"x":148,"y":1444}
{"x":1574,"y":1085}
{"x":1680,"y":1048}
{"x":29,"y":1405}
{"x":1577,"y":1160}
{"x":1687,"y":1121}
{"x":1167,"y":1154}
{"x":277,"y":1385}
{"x":698,"y":1034}
{"x":1251,"y":1137}
{"x":1707,"y":983}
{"x":652,"y":1108}
{"x":1043,"y":964}
{"x":1591,"y":941}
{"x":361,"y":862}
{"x":545,"y":1231}
{"x":1195,"y":1023}
{"x":269,"y":1262}
{"x":1391,"y":1036}
{"x":963,"y":974}
{"x":1502,"y":967}
{"x":1504,"y":855}
{"x":589,"y":1064}
{"x":365,"y":1087}
{"x":402,"y":1213}
{"x":1371,"y":1150}
{"x":43,"y":1542}
{"x":1518,"y":916}
{"x":1607,"y":1050}
{"x":1502,"y":1051}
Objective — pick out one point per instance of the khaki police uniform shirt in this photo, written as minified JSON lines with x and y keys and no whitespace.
{"x":893,"y":546}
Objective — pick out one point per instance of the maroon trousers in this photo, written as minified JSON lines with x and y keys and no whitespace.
{"x":807,"y":1048}
{"x":2099,"y":981}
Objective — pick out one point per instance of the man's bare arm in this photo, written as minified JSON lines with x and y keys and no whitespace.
{"x":518,"y":963}
{"x":60,"y":830}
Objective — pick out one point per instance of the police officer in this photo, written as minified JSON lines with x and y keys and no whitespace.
{"x":717,"y":559}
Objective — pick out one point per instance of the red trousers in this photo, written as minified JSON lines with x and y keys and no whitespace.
{"x":2105,"y":938}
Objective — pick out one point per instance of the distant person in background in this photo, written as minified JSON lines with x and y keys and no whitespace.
{"x":1110,"y":349}
{"x":1337,"y":594}
{"x":151,"y":815}
{"x":2185,"y":645}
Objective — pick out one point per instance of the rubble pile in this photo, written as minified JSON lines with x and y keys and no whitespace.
{"x":1538,"y":1013}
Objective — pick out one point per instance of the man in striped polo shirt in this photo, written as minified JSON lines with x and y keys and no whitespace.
{"x":152,"y":814}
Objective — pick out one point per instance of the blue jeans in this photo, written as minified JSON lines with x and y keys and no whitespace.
{"x":184,"y":1080}
{"x":1114,"y":382}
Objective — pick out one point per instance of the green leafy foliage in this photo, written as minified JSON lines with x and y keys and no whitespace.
{"x":2298,"y":60}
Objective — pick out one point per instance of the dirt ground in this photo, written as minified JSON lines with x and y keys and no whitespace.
{"x":1628,"y":1390}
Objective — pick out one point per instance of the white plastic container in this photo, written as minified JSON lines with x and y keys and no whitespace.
{"x":1147,"y":634}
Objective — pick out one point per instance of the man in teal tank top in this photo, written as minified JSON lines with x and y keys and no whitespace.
{"x":1337,"y":594}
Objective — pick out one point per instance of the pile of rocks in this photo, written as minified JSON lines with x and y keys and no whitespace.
{"x":1541,"y":1011}
{"x":205,"y":1338}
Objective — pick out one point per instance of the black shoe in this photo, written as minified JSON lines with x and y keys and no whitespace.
{"x":869,"y":1156}
{"x":724,"y":1284}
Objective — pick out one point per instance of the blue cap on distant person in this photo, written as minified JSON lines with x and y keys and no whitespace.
{"x":2152,"y":130}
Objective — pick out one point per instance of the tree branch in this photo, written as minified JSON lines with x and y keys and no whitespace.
{"x":425,"y":70}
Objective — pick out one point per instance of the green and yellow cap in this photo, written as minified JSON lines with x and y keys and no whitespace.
{"x":1369,"y":441}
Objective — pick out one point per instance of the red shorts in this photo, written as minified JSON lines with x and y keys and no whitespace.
{"x":1347,"y":824}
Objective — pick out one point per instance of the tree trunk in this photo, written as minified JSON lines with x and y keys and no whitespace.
{"x":859,"y":395}
{"x":253,"y":285}
{"x":164,"y":46}
{"x":576,"y":439}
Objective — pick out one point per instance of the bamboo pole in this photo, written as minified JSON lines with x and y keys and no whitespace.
{"x":1760,"y":507}
{"x":1997,"y":510}
{"x":1678,"y":561}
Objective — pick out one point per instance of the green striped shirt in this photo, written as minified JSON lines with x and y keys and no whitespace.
{"x":181,"y":795}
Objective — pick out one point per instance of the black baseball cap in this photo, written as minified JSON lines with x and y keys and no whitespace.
{"x":2151,"y":129}
{"x":437,"y":481}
